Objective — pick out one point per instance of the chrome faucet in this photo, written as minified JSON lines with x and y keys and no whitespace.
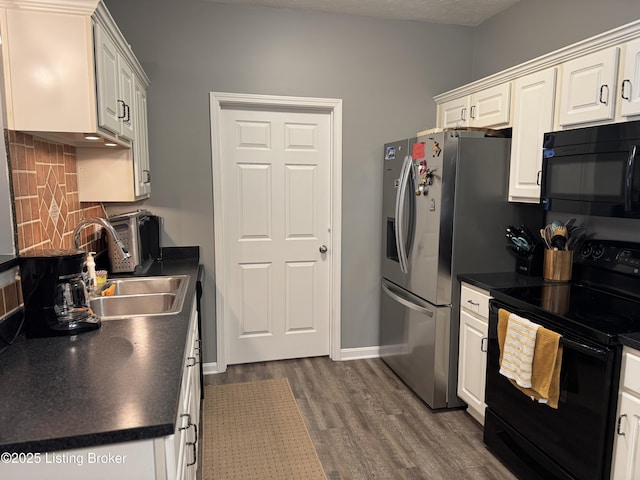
{"x":108,"y":227}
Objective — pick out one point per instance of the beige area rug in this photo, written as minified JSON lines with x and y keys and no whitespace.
{"x":254,"y":431}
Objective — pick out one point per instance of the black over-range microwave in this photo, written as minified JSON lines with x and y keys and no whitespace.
{"x":593,"y":170}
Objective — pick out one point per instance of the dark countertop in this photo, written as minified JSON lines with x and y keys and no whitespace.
{"x":491,"y":281}
{"x":116,"y":384}
{"x":631,"y":340}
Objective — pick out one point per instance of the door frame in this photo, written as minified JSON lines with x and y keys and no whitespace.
{"x":331,"y":106}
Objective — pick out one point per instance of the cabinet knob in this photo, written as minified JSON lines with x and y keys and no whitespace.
{"x":323,"y":249}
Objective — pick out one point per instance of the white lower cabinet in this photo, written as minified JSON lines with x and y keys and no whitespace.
{"x":174,"y":457}
{"x":181,"y":448}
{"x":472,"y":360}
{"x":626,"y":448}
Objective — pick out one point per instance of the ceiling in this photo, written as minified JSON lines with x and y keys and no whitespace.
{"x":455,"y":12}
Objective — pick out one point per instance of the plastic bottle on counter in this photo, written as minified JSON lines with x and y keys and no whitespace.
{"x":91,"y":269}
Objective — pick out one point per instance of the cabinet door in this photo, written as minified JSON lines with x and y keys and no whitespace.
{"x":110,"y":109}
{"x":588,"y":88}
{"x":630,"y":85}
{"x":627,"y":440}
{"x":472,"y":363}
{"x":491,"y":107}
{"x":142,"y":172}
{"x":126,"y":81}
{"x":454,"y":113}
{"x":532,"y":117}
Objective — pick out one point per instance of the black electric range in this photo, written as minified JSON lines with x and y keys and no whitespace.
{"x":601,"y":303}
{"x":591,"y":312}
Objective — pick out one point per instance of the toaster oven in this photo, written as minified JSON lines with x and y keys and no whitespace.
{"x":139,"y":232}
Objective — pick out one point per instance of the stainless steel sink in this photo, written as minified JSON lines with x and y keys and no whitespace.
{"x":142,"y":296}
{"x":139,"y":285}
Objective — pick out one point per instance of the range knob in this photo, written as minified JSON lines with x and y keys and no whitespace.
{"x":585,"y":251}
{"x":597,"y":252}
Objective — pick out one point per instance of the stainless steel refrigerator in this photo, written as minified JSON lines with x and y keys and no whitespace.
{"x":444,"y":213}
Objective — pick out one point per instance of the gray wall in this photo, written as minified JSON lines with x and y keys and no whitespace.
{"x":532,"y":28}
{"x":386,"y":72}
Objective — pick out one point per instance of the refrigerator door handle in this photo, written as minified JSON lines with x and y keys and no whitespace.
{"x":400,"y":298}
{"x":399,"y":212}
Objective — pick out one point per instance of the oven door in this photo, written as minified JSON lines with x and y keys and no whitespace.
{"x":573,"y":441}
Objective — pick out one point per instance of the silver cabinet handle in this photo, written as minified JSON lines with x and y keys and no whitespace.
{"x":195,"y":362}
{"x":483,"y":344}
{"x":323,"y":249}
{"x":472,"y":112}
{"x":475,"y":304}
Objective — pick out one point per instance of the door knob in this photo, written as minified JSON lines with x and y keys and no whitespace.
{"x":323,"y":249}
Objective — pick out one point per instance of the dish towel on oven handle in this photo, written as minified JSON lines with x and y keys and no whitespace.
{"x":546,"y":365}
{"x":519,"y":346}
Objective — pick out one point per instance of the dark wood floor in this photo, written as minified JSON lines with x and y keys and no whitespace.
{"x":366,"y":424}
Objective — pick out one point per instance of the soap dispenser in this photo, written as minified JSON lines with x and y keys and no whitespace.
{"x":91,"y":269}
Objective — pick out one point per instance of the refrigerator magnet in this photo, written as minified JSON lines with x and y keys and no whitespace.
{"x":390,"y":153}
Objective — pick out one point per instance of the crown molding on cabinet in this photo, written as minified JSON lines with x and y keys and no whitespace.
{"x":601,"y":41}
{"x":103,"y":16}
{"x":79,"y":7}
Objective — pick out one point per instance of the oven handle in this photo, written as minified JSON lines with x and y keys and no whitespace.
{"x":586,"y":349}
{"x":566,"y":342}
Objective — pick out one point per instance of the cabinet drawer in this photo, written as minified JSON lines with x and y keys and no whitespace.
{"x":631,"y":370}
{"x":474,"y":300}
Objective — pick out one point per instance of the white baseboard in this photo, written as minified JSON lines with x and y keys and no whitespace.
{"x":357,"y":353}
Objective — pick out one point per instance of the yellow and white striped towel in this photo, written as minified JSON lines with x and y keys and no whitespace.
{"x":519,"y":345}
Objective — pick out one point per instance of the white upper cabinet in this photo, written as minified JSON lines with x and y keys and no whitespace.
{"x":629,"y":97}
{"x":486,"y":108}
{"x":588,"y":90}
{"x":532,"y":117}
{"x":60,"y":80}
{"x":491,"y":107}
{"x":114,"y":86}
{"x":454,"y":113}
{"x":142,"y":173}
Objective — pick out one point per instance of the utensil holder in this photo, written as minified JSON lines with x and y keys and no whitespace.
{"x":557,"y":265}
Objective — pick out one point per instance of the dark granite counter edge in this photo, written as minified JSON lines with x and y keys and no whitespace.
{"x":176,"y":264}
{"x":492,"y":281}
{"x":631,"y":340}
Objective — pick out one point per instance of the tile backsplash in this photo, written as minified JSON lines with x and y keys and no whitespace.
{"x":45,"y":195}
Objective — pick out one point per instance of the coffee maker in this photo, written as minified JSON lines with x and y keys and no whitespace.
{"x":56,"y":301}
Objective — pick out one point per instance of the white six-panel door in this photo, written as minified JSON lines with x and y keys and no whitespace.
{"x":275,"y":168}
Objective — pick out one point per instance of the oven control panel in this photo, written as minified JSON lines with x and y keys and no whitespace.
{"x":611,"y":255}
